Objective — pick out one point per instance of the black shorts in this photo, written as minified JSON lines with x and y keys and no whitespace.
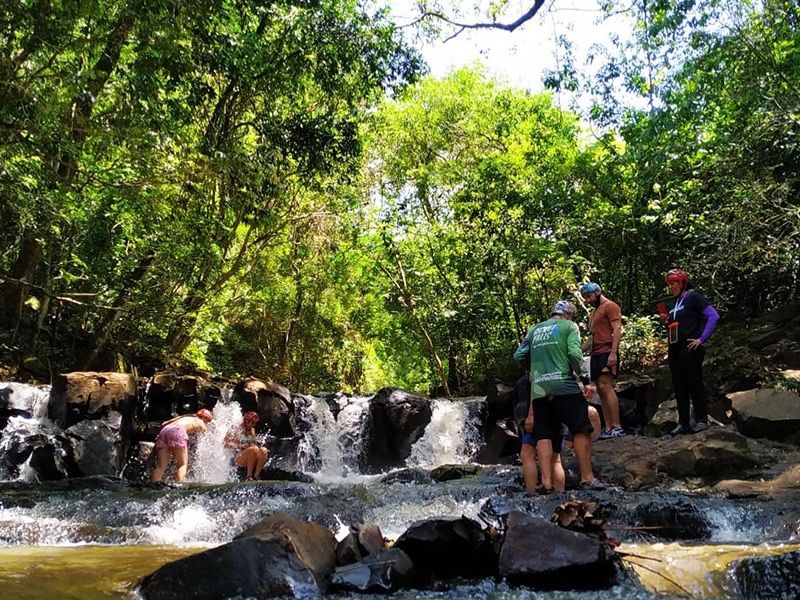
{"x":550,"y":412}
{"x":599,"y":366}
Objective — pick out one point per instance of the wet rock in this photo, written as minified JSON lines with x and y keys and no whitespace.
{"x":544,"y":556}
{"x":768,"y":577}
{"x":272,"y":402}
{"x":452,"y":472}
{"x":170,"y":394}
{"x":95,"y":448}
{"x":252,"y":567}
{"x":387,"y":570}
{"x":411,"y":475}
{"x":395,"y":421}
{"x":277,"y":474}
{"x":714,"y":452}
{"x":314,"y":544}
{"x":672,"y":518}
{"x":767,"y":413}
{"x":502,"y":443}
{"x":361,"y":541}
{"x":444,"y":548}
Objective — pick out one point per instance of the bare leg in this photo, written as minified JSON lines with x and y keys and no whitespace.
{"x":594,"y":418}
{"x":162,"y":462}
{"x":545,"y":450}
{"x":529,"y":471}
{"x":181,"y":462}
{"x":246,"y":459}
{"x":261,"y":460}
{"x":583,"y":452}
{"x":608,"y":401}
{"x":559,"y":477}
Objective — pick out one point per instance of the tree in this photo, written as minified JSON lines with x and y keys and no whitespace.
{"x":471,"y":181}
{"x":154,"y":149}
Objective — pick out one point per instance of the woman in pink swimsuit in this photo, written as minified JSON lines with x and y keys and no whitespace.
{"x":173,"y":440}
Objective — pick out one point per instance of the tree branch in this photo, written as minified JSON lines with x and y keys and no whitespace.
{"x":524,"y":18}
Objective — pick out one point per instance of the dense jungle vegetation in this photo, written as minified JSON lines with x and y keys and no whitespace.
{"x":278,"y":189}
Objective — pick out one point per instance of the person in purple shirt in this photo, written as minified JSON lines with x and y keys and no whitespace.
{"x":690,"y":321}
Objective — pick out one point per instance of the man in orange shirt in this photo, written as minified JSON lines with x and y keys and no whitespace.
{"x":605,"y":329}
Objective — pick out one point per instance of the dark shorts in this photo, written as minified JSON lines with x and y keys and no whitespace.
{"x":550,"y":412}
{"x":531,"y":440}
{"x":599,"y":366}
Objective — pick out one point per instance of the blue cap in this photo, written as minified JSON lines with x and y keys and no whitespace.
{"x":589,"y":288}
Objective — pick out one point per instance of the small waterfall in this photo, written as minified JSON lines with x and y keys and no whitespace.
{"x":330,"y":448}
{"x":212,"y":462}
{"x":27,"y":406}
{"x":452,"y":436}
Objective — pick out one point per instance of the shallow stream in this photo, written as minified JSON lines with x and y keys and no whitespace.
{"x":94,"y":539}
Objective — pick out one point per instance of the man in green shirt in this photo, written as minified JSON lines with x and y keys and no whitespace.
{"x":552,"y":352}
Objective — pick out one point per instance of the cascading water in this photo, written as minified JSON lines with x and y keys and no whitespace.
{"x":452,"y":437}
{"x":27,"y":409}
{"x":331,"y":445}
{"x":57,"y":538}
{"x":211,"y":461}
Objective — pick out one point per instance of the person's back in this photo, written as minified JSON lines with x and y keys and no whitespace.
{"x":555,"y":354}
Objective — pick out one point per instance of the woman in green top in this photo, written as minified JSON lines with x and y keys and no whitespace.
{"x":249,"y":454}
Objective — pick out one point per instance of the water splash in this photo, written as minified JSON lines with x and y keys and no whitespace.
{"x":452,"y":436}
{"x":212,"y":462}
{"x":330,"y":448}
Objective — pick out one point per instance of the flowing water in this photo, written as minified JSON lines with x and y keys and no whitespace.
{"x":96,"y":540}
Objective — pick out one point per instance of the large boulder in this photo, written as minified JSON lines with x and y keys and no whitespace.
{"x":766,"y":413}
{"x":314,"y":544}
{"x":245,"y":568}
{"x":170,"y":394}
{"x":280,"y":556}
{"x":640,"y":462}
{"x":541,"y":555}
{"x":272,"y":402}
{"x":395,"y":421}
{"x":444,"y":548}
{"x":108,"y":397}
{"x":89,"y":395}
{"x":714,"y":452}
{"x":95,"y":448}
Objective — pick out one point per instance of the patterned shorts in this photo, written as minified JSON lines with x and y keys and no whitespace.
{"x":172,"y":436}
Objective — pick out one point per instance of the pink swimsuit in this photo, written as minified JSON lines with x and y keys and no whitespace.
{"x":172,"y":436}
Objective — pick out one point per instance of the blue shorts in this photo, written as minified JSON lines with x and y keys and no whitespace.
{"x":531,"y":440}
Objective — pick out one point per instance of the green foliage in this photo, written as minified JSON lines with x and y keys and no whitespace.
{"x":642,"y":344}
{"x":267,"y":190}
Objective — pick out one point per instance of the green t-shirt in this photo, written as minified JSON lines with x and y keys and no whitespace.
{"x":552,"y":349}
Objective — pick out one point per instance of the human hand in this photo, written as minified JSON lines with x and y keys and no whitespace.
{"x":612,"y":359}
{"x":664,"y":318}
{"x":693,"y":344}
{"x":588,"y":391}
{"x":529,"y":424}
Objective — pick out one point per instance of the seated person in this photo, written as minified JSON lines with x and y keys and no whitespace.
{"x":249,"y":454}
{"x":173,"y":440}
